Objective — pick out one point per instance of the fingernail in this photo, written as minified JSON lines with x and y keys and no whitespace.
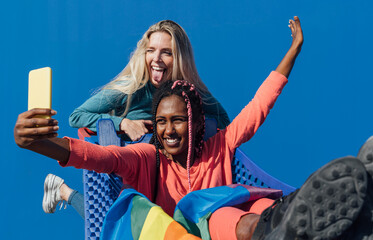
{"x":56,"y":128}
{"x":53,"y":112}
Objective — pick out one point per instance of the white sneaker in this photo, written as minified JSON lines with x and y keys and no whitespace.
{"x":52,"y":195}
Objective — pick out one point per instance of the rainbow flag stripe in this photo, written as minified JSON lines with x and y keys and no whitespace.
{"x":133,"y":216}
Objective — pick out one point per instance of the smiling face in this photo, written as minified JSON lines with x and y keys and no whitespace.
{"x":172,"y":128}
{"x":159,"y":59}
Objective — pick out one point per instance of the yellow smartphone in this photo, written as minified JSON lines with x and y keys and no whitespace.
{"x":40,"y":89}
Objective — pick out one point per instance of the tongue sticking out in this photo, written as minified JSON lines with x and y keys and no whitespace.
{"x":157,"y":75}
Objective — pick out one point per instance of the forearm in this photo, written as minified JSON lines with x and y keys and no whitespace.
{"x":80,"y":118}
{"x":56,"y":148}
{"x":97,"y":107}
{"x":125,"y":161}
{"x":287,"y":63}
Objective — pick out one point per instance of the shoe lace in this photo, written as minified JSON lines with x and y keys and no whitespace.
{"x":62,"y":204}
{"x":268,"y":212}
{"x":277,"y":204}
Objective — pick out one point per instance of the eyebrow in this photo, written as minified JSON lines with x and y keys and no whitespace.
{"x":151,"y":47}
{"x":175,"y":116}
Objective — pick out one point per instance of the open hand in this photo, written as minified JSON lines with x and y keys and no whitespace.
{"x":29,"y":128}
{"x":296,"y":33}
{"x":135,"y":129}
{"x":287,"y":63}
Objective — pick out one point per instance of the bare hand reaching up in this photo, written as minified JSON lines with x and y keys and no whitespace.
{"x":288,"y":61}
{"x":296,"y":33}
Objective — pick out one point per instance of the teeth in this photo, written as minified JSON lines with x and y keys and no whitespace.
{"x":157,"y":68}
{"x":171,"y":140}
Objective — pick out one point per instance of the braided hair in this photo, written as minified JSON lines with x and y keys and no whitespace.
{"x":188,"y":92}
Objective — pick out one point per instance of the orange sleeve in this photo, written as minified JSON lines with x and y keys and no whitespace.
{"x":245,"y":125}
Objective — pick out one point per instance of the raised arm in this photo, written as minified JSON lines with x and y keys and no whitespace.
{"x":254,"y":114}
{"x":40,"y":135}
{"x":288,"y":61}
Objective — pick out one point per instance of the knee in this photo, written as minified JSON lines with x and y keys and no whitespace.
{"x":246,"y":226}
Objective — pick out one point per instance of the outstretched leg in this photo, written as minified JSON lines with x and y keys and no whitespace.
{"x":325,"y":206}
{"x":57,"y":191}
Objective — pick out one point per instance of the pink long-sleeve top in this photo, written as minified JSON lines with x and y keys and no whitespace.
{"x":136,"y":163}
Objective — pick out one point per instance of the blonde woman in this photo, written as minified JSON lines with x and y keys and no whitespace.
{"x":163,"y":53}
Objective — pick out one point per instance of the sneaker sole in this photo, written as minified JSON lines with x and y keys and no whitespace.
{"x":46,"y":194}
{"x":47,"y":189}
{"x":364,"y":223}
{"x":327,"y":204}
{"x":365,"y":155}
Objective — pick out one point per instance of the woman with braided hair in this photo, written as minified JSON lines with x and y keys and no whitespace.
{"x":179,"y":162}
{"x":195,"y":115}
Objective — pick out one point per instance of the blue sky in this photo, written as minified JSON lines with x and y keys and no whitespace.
{"x":324,"y":112}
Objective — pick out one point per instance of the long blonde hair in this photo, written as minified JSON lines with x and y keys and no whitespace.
{"x":135,"y":75}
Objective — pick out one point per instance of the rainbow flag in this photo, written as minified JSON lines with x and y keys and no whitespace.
{"x":133,"y":216}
